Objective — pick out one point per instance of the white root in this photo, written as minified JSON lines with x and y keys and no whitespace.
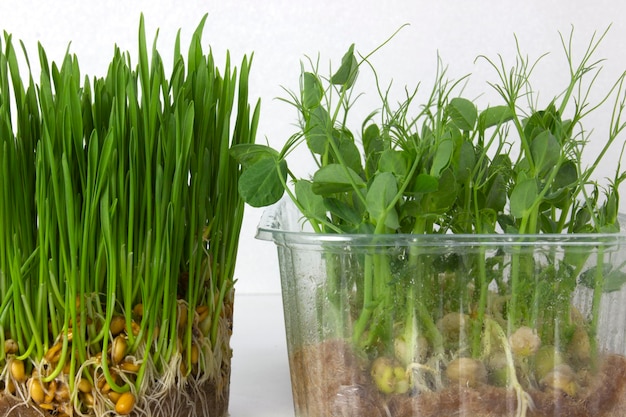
{"x":524,"y":400}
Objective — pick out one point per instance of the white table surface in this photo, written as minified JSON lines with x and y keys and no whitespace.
{"x":260,"y":385}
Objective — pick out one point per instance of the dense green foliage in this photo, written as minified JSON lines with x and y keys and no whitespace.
{"x":116,"y":192}
{"x":444,"y":167}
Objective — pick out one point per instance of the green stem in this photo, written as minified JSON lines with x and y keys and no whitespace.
{"x":598,"y":290}
{"x":477,"y":326}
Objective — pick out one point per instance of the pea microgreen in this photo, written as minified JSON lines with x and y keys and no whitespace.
{"x":447,"y":166}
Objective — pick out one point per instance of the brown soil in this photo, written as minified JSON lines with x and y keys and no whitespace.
{"x":10,"y":406}
{"x":342,"y":388}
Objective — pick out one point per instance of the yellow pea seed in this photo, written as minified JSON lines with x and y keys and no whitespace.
{"x":125,"y":404}
{"x":17,"y":370}
{"x":10,"y":346}
{"x":118,"y":324}
{"x":46,"y":406}
{"x":36,"y":391}
{"x":84,"y":385}
{"x":11,"y":387}
{"x":118,"y":349}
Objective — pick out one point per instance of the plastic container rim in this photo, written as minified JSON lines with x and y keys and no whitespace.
{"x":269,"y":229}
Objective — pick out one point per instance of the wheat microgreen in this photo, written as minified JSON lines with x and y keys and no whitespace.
{"x":119,"y":201}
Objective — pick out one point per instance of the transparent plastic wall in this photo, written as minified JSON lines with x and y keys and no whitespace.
{"x":439,"y":325}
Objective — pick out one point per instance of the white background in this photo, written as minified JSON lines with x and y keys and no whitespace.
{"x":281,"y":33}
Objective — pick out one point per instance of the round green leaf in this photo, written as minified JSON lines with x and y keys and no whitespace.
{"x":312,"y":91}
{"x":335,"y":178}
{"x":312,"y":204}
{"x":261,"y":183}
{"x":523,"y":197}
{"x":463,"y":113}
{"x":380,"y":196}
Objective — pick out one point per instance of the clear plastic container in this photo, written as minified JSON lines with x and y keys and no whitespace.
{"x":441,"y":325}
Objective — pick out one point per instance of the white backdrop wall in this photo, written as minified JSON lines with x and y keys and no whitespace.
{"x":281,"y":33}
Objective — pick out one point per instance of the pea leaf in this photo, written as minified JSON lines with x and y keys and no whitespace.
{"x":380,"y":195}
{"x":247,"y":154}
{"x":446,"y":194}
{"x":316,"y":130}
{"x":614,"y":280}
{"x":312,"y":204}
{"x":348,"y":149}
{"x":561,"y":188}
{"x":463,"y":113}
{"x":494,"y":116}
{"x":312,"y":91}
{"x":425,"y":183}
{"x":261,"y":183}
{"x":334,"y":178}
{"x":523,"y":197}
{"x":393,"y":161}
{"x":545,"y":151}
{"x":566,"y":176}
{"x":465,"y":161}
{"x":348,"y":71}
{"x":496,"y":196}
{"x":373,"y":145}
{"x":343,"y":210}
{"x":442,"y":157}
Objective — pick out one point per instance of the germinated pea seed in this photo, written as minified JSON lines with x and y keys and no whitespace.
{"x":524,"y":341}
{"x":466,"y":372}
{"x":561,"y":378}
